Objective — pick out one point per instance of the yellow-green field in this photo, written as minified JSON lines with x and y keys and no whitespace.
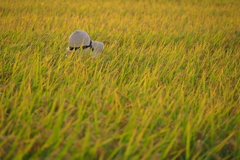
{"x":166,"y":85}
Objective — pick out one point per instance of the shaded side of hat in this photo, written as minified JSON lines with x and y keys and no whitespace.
{"x":98,"y":47}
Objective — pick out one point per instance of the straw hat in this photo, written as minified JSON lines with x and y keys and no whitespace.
{"x":80,"y":39}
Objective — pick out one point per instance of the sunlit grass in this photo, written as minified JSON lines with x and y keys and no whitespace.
{"x":165,"y":87}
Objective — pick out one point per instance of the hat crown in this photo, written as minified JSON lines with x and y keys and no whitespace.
{"x":79,"y":38}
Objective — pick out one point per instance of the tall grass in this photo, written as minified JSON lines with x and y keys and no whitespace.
{"x":165,"y":87}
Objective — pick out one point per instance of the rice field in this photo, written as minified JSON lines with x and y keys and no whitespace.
{"x":166,"y":85}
